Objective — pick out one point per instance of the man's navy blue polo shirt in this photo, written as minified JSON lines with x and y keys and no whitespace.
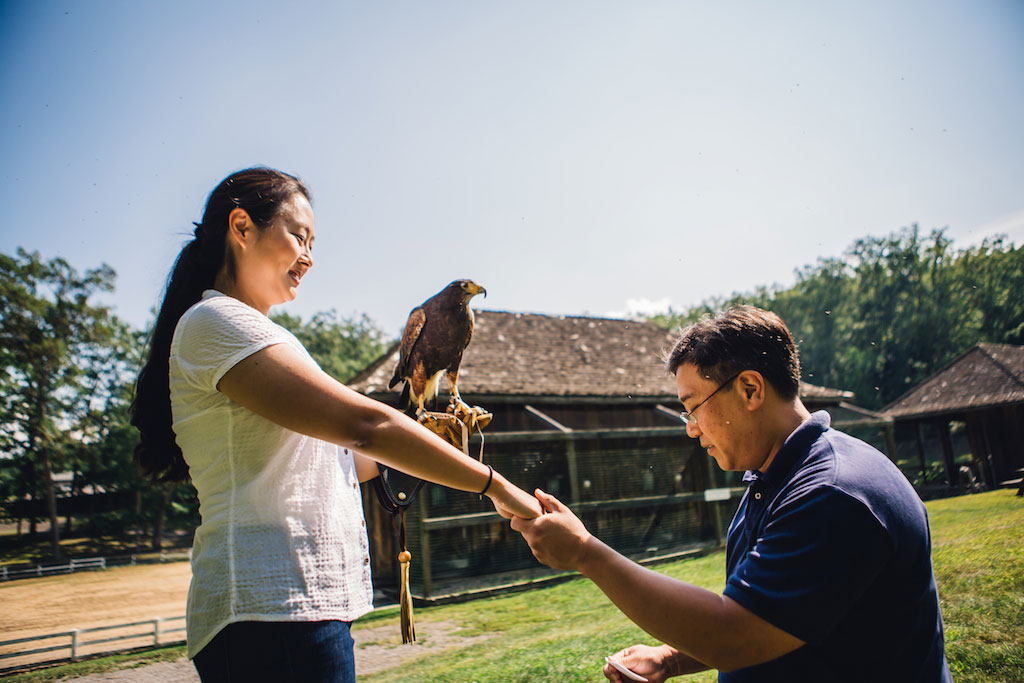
{"x":831,"y":544}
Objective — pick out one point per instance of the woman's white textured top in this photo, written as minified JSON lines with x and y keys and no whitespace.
{"x":282,"y":536}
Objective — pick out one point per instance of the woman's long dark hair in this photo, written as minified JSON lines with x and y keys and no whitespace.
{"x":261,"y":192}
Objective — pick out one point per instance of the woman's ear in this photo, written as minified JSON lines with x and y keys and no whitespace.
{"x":240,"y":227}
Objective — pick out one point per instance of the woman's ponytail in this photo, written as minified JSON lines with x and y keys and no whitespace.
{"x":261,"y":192}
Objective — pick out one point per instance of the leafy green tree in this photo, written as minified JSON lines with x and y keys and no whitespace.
{"x":101,"y":454}
{"x":341,"y":346}
{"x":813,"y":310}
{"x":993,"y":277}
{"x":892,"y":309}
{"x":51,"y":335}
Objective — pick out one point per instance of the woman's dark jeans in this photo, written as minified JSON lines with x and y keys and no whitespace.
{"x":299,"y":651}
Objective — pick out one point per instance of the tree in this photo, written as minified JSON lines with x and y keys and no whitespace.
{"x":993,"y":277}
{"x":101,"y":453}
{"x":892,"y":310}
{"x":342,"y":347}
{"x":813,"y":311}
{"x":50,"y":335}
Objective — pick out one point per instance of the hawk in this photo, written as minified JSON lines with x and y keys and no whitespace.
{"x":436,"y":334}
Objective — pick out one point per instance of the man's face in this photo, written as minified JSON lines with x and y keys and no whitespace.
{"x":721,"y":423}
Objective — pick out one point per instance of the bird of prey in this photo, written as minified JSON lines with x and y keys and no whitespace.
{"x":436,"y":334}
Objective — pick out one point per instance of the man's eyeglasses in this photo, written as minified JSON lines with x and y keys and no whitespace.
{"x":688,"y":415}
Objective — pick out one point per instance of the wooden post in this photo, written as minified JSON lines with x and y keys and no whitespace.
{"x":570,"y":451}
{"x":716,"y":510}
{"x":947,"y":451}
{"x":574,"y":478}
{"x":74,"y":645}
{"x":424,"y":558}
{"x":889,"y":432}
{"x":920,"y":451}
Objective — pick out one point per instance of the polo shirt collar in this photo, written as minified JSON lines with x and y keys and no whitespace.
{"x":795,"y":446}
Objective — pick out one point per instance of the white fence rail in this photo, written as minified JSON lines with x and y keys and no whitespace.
{"x":41,"y":570}
{"x":88,"y":563}
{"x":77,"y":643}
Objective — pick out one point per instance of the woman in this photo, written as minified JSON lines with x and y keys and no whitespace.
{"x":274,"y":446}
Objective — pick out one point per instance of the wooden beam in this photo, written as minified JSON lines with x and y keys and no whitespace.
{"x":555,"y":435}
{"x":478,"y":518}
{"x":537,"y":399}
{"x":546,"y":419}
{"x":668,"y":411}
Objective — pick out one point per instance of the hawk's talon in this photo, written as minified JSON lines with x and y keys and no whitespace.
{"x":460,"y":409}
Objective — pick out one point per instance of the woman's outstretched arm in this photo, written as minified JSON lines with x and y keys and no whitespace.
{"x":282,"y":385}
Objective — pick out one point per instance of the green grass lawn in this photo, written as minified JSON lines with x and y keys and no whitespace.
{"x":978,"y":554}
{"x":563,"y":632}
{"x":558,"y":633}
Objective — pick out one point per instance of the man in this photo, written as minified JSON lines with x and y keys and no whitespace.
{"x":828,"y":561}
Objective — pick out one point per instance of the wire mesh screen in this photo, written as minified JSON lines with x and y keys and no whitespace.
{"x":624,"y":468}
{"x":642,"y":496}
{"x":652,"y":530}
{"x":529,"y":465}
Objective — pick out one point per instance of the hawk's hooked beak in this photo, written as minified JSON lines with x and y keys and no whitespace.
{"x":475,"y":289}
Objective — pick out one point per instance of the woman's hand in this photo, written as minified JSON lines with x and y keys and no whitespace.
{"x":511,"y":501}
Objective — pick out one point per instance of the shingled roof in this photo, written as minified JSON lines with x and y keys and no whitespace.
{"x":528,"y":354}
{"x":983,"y":376}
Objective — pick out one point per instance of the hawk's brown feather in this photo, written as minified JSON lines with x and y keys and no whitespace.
{"x":436,"y":334}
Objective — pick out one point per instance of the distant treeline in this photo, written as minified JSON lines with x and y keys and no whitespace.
{"x":892,"y":310}
{"x":68,"y":372}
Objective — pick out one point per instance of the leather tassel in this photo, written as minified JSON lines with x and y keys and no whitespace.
{"x":405,"y":599}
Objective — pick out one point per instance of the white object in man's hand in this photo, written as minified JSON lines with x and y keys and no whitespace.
{"x":624,"y":671}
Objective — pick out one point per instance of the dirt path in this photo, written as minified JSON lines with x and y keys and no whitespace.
{"x":33,"y":607}
{"x":93,"y":598}
{"x":377,"y":648}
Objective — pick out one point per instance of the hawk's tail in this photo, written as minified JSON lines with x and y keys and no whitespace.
{"x":405,"y":402}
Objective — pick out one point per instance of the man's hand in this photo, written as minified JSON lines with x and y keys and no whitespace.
{"x":557,"y":538}
{"x":653,"y":663}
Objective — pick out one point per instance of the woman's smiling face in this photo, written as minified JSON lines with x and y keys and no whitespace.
{"x":276,"y":258}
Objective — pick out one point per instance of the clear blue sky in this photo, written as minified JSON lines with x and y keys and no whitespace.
{"x":572,"y":157}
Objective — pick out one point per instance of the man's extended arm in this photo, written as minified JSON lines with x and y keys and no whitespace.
{"x":708,"y":627}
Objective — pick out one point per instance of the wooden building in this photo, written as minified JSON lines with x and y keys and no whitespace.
{"x":980,"y":394}
{"x":584,"y":409}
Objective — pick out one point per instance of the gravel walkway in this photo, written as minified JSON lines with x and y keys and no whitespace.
{"x":179,"y":671}
{"x":377,"y":649}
